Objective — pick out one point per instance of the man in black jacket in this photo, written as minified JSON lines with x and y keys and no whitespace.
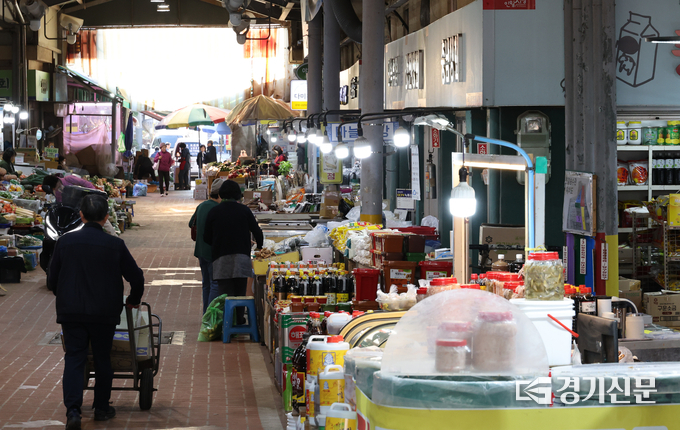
{"x":211,"y":153}
{"x":86,"y":274}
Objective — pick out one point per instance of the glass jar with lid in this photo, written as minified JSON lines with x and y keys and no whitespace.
{"x":544,"y":276}
{"x":634,"y":132}
{"x":493,"y":346}
{"x":621,"y":133}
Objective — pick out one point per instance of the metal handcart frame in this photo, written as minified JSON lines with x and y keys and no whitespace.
{"x":141,"y":372}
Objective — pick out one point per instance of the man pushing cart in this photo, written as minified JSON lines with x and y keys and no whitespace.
{"x":86,"y":275}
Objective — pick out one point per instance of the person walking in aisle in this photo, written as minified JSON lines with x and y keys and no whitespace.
{"x":165,"y":163}
{"x":202,"y":250}
{"x":228,"y":227}
{"x":144,"y":166}
{"x":200,"y":159}
{"x":89,"y":302}
{"x":211,"y":153}
{"x":184,"y":158}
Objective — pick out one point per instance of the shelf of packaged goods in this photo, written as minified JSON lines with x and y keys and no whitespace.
{"x":632,"y":187}
{"x":665,"y":187}
{"x":634,"y":148}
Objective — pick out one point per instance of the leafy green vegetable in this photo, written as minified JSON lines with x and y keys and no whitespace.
{"x":284,"y":167}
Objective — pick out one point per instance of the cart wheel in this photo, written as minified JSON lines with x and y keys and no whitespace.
{"x":146,"y":390}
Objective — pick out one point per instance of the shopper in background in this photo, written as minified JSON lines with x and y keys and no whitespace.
{"x":164,"y":165}
{"x":202,"y":250}
{"x":156,"y":150}
{"x":280,"y":155}
{"x":183,"y":156}
{"x":57,"y":184}
{"x":211,"y":153}
{"x":227,"y":230}
{"x":7,"y":162}
{"x":89,"y":292}
{"x":144,"y":166}
{"x":200,"y":159}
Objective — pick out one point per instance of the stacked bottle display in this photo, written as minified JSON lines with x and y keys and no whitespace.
{"x":331,"y":287}
{"x":666,"y":168}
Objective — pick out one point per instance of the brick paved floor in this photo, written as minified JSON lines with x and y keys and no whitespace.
{"x":200,"y":385}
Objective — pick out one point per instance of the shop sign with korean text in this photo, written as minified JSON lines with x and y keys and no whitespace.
{"x":298,"y":95}
{"x":350,"y":132}
{"x":405,"y":199}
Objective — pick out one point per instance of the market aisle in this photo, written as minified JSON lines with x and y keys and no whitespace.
{"x":200,"y":385}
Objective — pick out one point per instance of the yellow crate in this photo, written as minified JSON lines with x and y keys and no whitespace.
{"x":261,"y":265}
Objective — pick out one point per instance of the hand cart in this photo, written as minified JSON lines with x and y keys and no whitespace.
{"x":132,"y":361}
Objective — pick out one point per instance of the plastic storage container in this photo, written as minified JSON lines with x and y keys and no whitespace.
{"x":367,"y":281}
{"x":544,"y":276}
{"x":556,"y":339}
{"x":341,"y":417}
{"x":634,"y":133}
{"x":621,"y":133}
{"x":415,"y":256}
{"x":331,"y":387}
{"x":415,"y":243}
{"x":439,"y":285}
{"x":399,"y":273}
{"x":494,"y":342}
{"x":430,"y":233}
{"x":435,"y":269}
{"x":323,"y":351}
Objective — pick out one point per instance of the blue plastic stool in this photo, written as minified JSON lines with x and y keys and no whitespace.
{"x":230,"y":304}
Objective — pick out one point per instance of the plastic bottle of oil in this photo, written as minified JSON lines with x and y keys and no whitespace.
{"x":500,"y":265}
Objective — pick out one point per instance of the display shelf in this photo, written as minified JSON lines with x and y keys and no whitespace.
{"x":625,"y":229}
{"x":663,"y":148}
{"x":633,"y":148}
{"x":663,"y":187}
{"x":633,"y":187}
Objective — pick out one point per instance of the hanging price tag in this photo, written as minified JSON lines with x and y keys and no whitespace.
{"x":583,"y":253}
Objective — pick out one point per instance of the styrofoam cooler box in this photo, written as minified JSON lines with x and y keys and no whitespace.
{"x":556,"y":339}
{"x":200,"y":194}
{"x":317,"y":254}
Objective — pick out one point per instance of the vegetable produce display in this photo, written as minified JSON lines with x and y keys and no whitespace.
{"x":285,"y":167}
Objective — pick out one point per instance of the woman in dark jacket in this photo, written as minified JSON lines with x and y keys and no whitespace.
{"x":228,"y":229}
{"x":184,"y":158}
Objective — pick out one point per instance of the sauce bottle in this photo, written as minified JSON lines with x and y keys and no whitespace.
{"x":316,"y":286}
{"x":499,"y":265}
{"x":280,"y":286}
{"x":299,"y":363}
{"x":303,"y":285}
{"x":474,"y":279}
{"x":343,"y":287}
{"x":331,"y":289}
{"x":587,"y":302}
{"x":324,"y":323}
{"x":517,"y":265}
{"x":482,"y":281}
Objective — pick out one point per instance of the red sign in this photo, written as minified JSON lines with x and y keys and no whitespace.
{"x":509,"y":4}
{"x":483,"y":148}
{"x":296,"y":333}
{"x":435,"y":138}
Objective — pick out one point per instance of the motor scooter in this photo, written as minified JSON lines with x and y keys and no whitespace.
{"x":62,"y":218}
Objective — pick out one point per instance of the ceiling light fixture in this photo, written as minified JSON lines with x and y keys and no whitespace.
{"x":362,"y":148}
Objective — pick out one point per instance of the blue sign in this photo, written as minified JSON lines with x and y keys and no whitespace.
{"x":350,"y":132}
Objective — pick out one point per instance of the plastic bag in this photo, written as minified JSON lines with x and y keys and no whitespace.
{"x":317,"y":237}
{"x":354,"y":214}
{"x":139,"y":190}
{"x":397,"y":302}
{"x":621,"y":172}
{"x":211,"y":327}
{"x":639,"y":172}
{"x":430,"y":221}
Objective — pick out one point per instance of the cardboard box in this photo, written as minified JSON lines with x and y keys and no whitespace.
{"x":674,"y":210}
{"x":317,"y":254}
{"x":291,"y":328}
{"x":629,"y":284}
{"x":634,"y":296}
{"x":664,"y":307}
{"x":200,"y":195}
{"x":499,"y":234}
{"x":28,"y":153}
{"x":87,"y":156}
{"x":329,"y":203}
{"x":260,"y":265}
{"x":265,"y":197}
{"x":626,"y":255}
{"x":51,"y":164}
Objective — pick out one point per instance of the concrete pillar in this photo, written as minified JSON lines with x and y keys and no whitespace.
{"x":371,"y":101}
{"x":590,"y":118}
{"x":331,"y":62}
{"x":314,"y":86}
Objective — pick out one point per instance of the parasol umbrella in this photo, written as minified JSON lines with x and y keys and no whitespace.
{"x":259,"y":108}
{"x":192,"y":116}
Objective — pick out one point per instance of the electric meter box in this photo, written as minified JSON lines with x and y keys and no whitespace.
{"x":534,"y":137}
